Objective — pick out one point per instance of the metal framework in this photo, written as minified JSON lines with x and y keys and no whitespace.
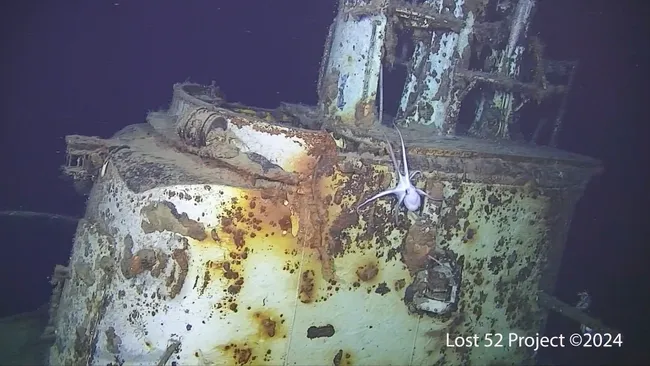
{"x":456,"y":47}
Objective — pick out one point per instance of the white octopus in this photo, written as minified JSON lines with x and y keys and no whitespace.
{"x":405,"y":191}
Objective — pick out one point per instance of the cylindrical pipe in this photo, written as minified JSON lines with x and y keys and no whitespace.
{"x":348,"y":84}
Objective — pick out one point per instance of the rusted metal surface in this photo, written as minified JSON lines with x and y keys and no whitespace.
{"x":508,"y":64}
{"x":503,"y":222}
{"x":221,"y":234}
{"x":84,"y":158}
{"x":352,"y":60}
{"x":444,"y":46}
{"x":194,"y":241}
{"x":84,"y":298}
{"x":457,"y":54}
{"x":200,"y":242}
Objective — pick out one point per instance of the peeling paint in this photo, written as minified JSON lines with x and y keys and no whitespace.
{"x":351,"y":73}
{"x":234,"y":268}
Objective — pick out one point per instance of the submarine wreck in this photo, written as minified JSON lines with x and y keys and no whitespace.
{"x":217,"y":233}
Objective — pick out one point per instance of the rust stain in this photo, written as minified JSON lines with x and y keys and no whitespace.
{"x":308,"y":203}
{"x":357,"y":186}
{"x":161,"y":263}
{"x":230,"y":272}
{"x":364,"y":112}
{"x":342,"y":358}
{"x":316,"y":143}
{"x":259,"y":212}
{"x":143,"y":260}
{"x":266,"y":221}
{"x":338,"y":239}
{"x":206,"y":280}
{"x":307,"y":286}
{"x":135,"y":267}
{"x":255,"y":349}
{"x":241,"y":354}
{"x":285,"y":223}
{"x":367,"y":272}
{"x":127,"y":257}
{"x":400,"y":284}
{"x":419,"y":242}
{"x":319,"y":146}
{"x":254,"y":221}
{"x":181,"y":259}
{"x":269,"y":326}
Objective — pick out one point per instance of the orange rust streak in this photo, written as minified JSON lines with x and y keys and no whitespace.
{"x":254,"y":222}
{"x":136,"y":265}
{"x":320,"y":146}
{"x":303,"y":165}
{"x":310,"y":205}
{"x":256,"y":212}
{"x":255,"y":218}
{"x":318,"y":143}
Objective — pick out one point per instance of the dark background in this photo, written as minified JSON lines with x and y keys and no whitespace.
{"x":92,"y":67}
